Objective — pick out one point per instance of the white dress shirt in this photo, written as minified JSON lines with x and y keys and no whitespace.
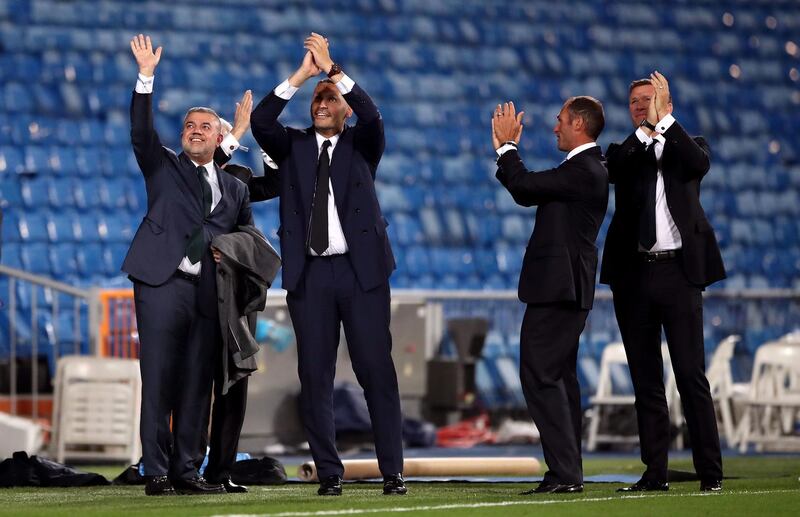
{"x":337,"y":244}
{"x":580,"y":149}
{"x":216,"y":194}
{"x":668,"y":237}
{"x":144,"y":85}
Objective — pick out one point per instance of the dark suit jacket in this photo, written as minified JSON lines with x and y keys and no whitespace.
{"x":353,"y":167}
{"x":174,"y":206}
{"x":684,"y":162}
{"x":261,"y":187}
{"x":561,"y":259}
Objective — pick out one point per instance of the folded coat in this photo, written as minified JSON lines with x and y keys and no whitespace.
{"x":249,"y":265}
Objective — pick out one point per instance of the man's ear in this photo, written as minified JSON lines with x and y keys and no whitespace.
{"x":349,"y":112}
{"x":220,"y":138}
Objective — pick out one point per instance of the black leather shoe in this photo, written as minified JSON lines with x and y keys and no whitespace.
{"x":555,"y":488}
{"x":646,"y":485}
{"x":158,"y":485}
{"x":330,"y":485}
{"x":393,"y":484}
{"x":197,"y":486}
{"x":710,"y":485}
{"x":230,"y":487}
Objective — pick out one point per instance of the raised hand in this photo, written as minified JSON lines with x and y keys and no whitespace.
{"x":318,"y":46}
{"x":241,"y":120}
{"x":308,"y":69}
{"x":506,"y":124}
{"x":652,"y":114}
{"x":662,"y":99}
{"x":142,"y":50}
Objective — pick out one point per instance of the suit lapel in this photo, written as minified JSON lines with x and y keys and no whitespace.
{"x":306,"y":157}
{"x":221,"y":179}
{"x":666,"y":155}
{"x":188,"y":178}
{"x":340,"y":168}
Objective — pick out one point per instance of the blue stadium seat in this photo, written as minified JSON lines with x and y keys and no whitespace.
{"x":33,"y":227}
{"x":11,"y":258}
{"x":405,"y":229}
{"x":64,"y":160}
{"x":86,"y":224}
{"x":94,"y":259}
{"x":35,"y":258}
{"x":63,"y":260}
{"x":61,"y":226}
{"x":61,"y":193}
{"x":12,"y":160}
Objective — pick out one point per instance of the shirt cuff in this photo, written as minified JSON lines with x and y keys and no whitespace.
{"x":665,"y":123}
{"x":144,"y":84}
{"x":643,"y":137}
{"x":269,"y":162}
{"x":345,"y":84}
{"x":505,"y":148}
{"x":229,"y":144}
{"x":285,"y":90}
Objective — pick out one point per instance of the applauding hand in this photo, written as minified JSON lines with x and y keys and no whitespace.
{"x":506,"y":124}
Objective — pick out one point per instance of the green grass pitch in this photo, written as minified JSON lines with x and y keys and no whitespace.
{"x":760,"y":485}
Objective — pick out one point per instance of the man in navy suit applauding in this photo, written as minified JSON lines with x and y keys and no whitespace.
{"x":336,"y":255}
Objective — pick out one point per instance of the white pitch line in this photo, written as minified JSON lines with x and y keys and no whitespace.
{"x":359,"y":511}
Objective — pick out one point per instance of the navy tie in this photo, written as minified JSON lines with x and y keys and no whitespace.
{"x":647,"y":217}
{"x":319,"y":210}
{"x":194,"y":249}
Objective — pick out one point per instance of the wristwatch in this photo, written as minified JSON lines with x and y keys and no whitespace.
{"x":336,"y":69}
{"x":644,"y":123}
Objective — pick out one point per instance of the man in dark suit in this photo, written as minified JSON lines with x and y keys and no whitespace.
{"x":660,"y":254}
{"x":558,"y":275}
{"x":228,"y":413}
{"x":336,"y":255}
{"x":189,"y":201}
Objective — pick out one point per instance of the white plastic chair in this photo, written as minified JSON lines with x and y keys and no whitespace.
{"x":96,"y":408}
{"x":723,"y":389}
{"x":773,"y":403}
{"x":614,"y":356}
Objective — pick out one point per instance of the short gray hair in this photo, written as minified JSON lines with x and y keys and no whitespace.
{"x":203,"y":109}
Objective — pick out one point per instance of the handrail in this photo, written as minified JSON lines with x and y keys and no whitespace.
{"x":16,"y":275}
{"x":45,"y":281}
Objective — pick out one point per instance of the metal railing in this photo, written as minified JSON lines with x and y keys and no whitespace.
{"x":32,"y":282}
{"x":757,"y":315}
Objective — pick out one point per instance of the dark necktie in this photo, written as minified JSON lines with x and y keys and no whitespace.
{"x":194,"y":249}
{"x":647,"y":217}
{"x":319,"y":210}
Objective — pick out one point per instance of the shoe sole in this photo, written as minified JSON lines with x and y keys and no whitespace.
{"x":193,"y":492}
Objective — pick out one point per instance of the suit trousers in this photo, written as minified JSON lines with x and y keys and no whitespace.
{"x":176,"y":359}
{"x":548,"y":362}
{"x":227,"y":418}
{"x":655,"y":295}
{"x":327,"y":296}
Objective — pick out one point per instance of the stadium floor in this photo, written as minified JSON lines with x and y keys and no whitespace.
{"x":755,"y":485}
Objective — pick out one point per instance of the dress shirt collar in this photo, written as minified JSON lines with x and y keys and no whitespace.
{"x":210,"y":170}
{"x":320,"y":139}
{"x":580,"y":149}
